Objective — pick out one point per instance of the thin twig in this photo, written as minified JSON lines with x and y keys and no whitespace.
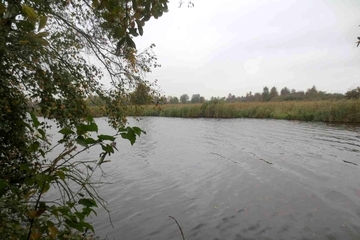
{"x":182,"y":234}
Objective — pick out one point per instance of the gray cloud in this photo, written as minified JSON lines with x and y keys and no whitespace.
{"x":233,"y":46}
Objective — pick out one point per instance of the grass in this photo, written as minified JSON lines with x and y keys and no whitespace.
{"x":345,"y":111}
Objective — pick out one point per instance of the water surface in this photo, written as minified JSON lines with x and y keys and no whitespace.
{"x":234,"y":179}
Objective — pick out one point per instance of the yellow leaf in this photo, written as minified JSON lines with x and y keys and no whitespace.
{"x":30,"y":193}
{"x":32,"y":214}
{"x":53,"y":231}
{"x":35,"y":234}
{"x":24,"y":42}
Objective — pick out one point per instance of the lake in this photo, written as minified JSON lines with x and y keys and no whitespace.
{"x":233,"y":179}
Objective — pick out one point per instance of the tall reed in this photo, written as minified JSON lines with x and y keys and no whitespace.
{"x":347,"y":111}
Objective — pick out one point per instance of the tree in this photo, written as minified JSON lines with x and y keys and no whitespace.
{"x":184,"y":98}
{"x":195,"y":98}
{"x":273,"y":93}
{"x":141,"y":95}
{"x":257,"y":97}
{"x":44,"y":71}
{"x":311,"y":92}
{"x":353,"y":94}
{"x":265,"y":95}
{"x":174,"y":100}
{"x":284,"y":92}
{"x":231,"y":98}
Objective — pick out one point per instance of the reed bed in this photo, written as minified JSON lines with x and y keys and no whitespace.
{"x":345,"y":111}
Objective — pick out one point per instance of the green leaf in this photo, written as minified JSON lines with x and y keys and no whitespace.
{"x":84,"y":128}
{"x":92,"y":127}
{"x":73,"y":224}
{"x":80,"y":215}
{"x":107,"y":148}
{"x":90,"y":141}
{"x":42,"y":153}
{"x":41,"y":41}
{"x":106,"y":137}
{"x":42,"y":133}
{"x":95,"y":4}
{"x":121,"y":42}
{"x":70,"y":204}
{"x":34,"y":146}
{"x":42,"y":23}
{"x":2,"y":8}
{"x":25,"y":26}
{"x":134,"y":4}
{"x":81,"y":141}
{"x":66,"y":131}
{"x":3,"y":184}
{"x":133,"y":31}
{"x":90,"y":119}
{"x":42,"y":34}
{"x":34,"y":119}
{"x":141,"y":30}
{"x":87,"y":225}
{"x":130,"y":136}
{"x":137,"y":130}
{"x":30,"y":13}
{"x":87,"y":202}
{"x":130,"y":42}
{"x":60,"y":174}
{"x":43,"y":181}
{"x":119,"y":32}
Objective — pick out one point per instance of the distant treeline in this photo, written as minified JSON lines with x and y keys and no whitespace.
{"x":344,"y":111}
{"x":312,"y":105}
{"x":311,"y":94}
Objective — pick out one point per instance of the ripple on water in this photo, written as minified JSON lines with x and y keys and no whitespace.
{"x":214,"y":177}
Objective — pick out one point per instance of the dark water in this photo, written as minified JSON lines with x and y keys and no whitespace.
{"x":234,"y":179}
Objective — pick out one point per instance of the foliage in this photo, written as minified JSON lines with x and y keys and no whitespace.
{"x":353,"y":94}
{"x":173,"y":100}
{"x":53,"y":56}
{"x":266,"y":95}
{"x":141,"y":95}
{"x":184,"y":98}
{"x":195,"y":98}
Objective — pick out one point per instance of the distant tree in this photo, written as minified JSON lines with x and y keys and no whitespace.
{"x":273,"y":93}
{"x":195,"y":98}
{"x":202,"y":99}
{"x":141,"y":95}
{"x":266,"y":94}
{"x":285,"y":92}
{"x":231,"y":98}
{"x":311,"y":92}
{"x":164,"y":100}
{"x":257,"y":97}
{"x":174,"y":100}
{"x":184,"y":98}
{"x":353,"y":94}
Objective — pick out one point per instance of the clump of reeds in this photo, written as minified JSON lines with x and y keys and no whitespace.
{"x":324,"y":111}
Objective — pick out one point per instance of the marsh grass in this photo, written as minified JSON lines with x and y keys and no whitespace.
{"x":347,"y":111}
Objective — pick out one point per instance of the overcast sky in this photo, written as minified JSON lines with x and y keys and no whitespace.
{"x":236,"y":46}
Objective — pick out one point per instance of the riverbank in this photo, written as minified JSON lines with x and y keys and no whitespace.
{"x":346,"y":111}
